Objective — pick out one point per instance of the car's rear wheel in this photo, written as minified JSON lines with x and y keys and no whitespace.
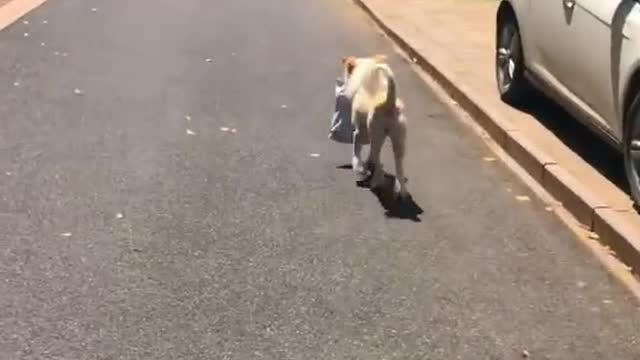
{"x":510,"y":66}
{"x":632,"y":148}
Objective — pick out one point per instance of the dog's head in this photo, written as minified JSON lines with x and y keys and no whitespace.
{"x":351,"y":62}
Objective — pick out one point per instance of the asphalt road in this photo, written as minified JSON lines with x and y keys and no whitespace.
{"x":129,"y":231}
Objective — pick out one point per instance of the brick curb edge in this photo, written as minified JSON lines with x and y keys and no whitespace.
{"x":580,"y":201}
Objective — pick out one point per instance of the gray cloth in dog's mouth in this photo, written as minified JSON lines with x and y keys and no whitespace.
{"x":341,"y":126}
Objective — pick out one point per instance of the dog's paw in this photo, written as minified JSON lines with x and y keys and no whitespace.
{"x":377,"y":182}
{"x":402,"y":196}
{"x":358,"y":167}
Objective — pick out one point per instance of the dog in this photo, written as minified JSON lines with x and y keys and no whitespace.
{"x":376,"y":114}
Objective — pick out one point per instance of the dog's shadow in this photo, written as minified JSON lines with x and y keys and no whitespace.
{"x":395,"y":207}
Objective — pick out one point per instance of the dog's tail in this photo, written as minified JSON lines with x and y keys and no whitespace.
{"x":390,"y":103}
{"x":373,"y":77}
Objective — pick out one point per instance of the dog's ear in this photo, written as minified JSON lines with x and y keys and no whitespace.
{"x":380,"y":58}
{"x":349,"y":63}
{"x":349,"y":60}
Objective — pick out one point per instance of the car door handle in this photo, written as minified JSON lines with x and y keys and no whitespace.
{"x":569,"y":4}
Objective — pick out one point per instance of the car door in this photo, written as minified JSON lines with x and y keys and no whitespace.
{"x":573,"y":53}
{"x":597,"y":32}
{"x":548,"y":46}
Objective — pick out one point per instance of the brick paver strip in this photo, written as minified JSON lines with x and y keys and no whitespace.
{"x":453,"y":40}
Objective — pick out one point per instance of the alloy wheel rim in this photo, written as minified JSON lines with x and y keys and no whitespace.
{"x":506,"y":58}
{"x":634,"y":152}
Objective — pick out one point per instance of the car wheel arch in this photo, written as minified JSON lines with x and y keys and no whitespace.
{"x":505,"y":9}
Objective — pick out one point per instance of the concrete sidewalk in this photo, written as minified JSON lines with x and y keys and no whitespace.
{"x":14,"y":9}
{"x":454,"y":41}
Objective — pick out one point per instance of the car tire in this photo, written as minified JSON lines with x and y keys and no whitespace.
{"x":510,"y":65}
{"x":631,"y":148}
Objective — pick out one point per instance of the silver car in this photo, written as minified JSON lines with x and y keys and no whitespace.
{"x":584,"y":54}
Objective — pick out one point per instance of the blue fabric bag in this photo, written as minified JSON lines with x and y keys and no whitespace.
{"x":341,"y":127}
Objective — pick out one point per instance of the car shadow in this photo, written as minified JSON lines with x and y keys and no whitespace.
{"x":591,"y":148}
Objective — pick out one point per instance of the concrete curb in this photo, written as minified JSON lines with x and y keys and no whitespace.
{"x":580,"y":201}
{"x":618,"y":236}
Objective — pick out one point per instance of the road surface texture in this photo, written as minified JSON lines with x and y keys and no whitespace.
{"x":133,"y":227}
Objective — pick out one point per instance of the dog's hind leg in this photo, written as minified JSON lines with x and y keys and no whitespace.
{"x":398,"y":136}
{"x":356,"y":160}
{"x":378,"y":135}
{"x":360,"y":137}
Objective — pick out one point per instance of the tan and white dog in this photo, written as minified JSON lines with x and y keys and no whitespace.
{"x":376,"y":114}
